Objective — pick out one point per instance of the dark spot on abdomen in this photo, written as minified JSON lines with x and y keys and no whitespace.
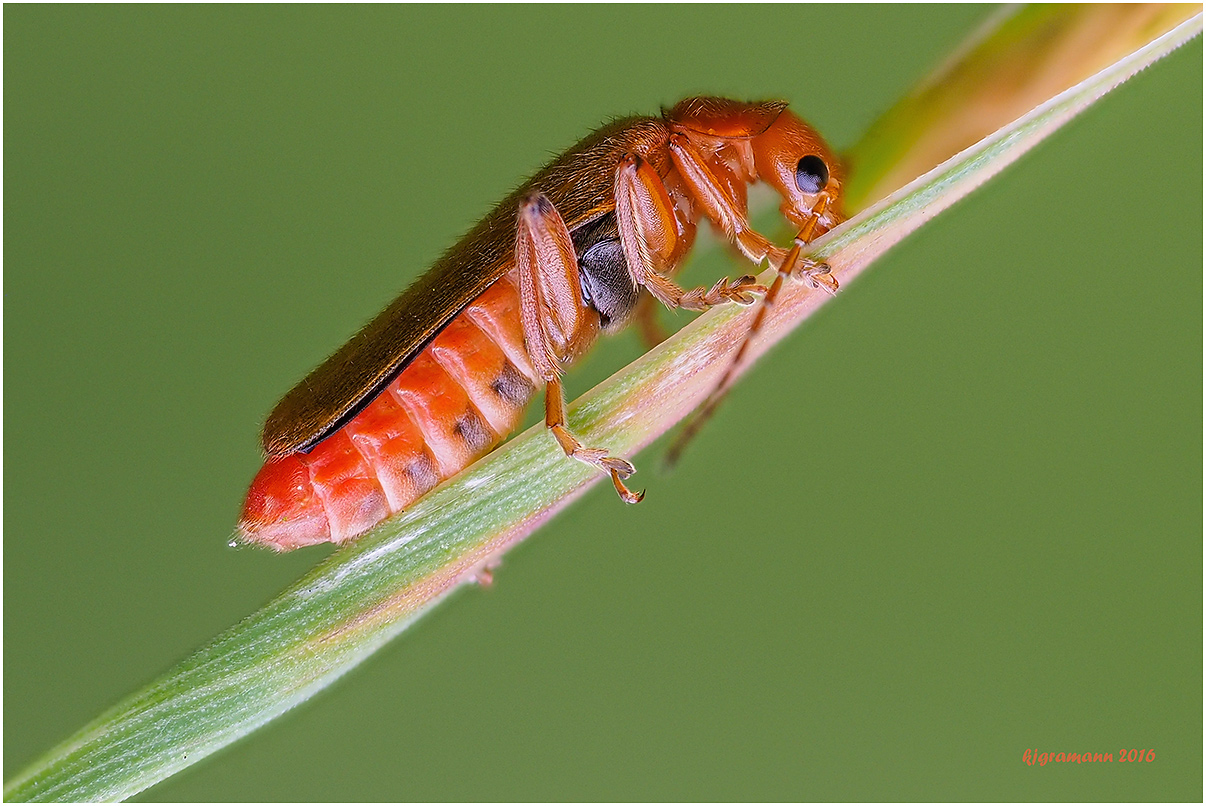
{"x":473,"y":429}
{"x":513,"y":387}
{"x":422,"y":472}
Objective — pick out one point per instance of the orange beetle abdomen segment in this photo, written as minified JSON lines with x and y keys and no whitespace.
{"x":282,"y":509}
{"x":452,"y":427}
{"x":496,"y":313}
{"x":394,"y":446}
{"x":476,"y":363}
{"x":341,"y":477}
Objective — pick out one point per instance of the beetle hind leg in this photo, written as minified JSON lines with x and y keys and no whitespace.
{"x":557,"y":324}
{"x":619,"y":469}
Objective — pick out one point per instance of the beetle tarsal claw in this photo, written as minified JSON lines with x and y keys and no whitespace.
{"x":817,"y":274}
{"x":597,"y":457}
{"x":617,"y":465}
{"x":619,"y":469}
{"x":626,"y":495}
{"x":740,"y":291}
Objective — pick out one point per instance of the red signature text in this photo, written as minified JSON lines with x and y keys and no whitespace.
{"x":1032,"y":756}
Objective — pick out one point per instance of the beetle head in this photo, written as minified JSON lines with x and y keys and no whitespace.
{"x":796,"y":161}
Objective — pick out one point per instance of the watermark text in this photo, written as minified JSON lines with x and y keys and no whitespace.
{"x":1032,"y":756}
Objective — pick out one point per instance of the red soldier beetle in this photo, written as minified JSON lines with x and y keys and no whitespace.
{"x":442,"y":375}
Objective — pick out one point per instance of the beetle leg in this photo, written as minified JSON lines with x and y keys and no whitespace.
{"x":718,"y":206}
{"x":645,"y":318}
{"x":817,"y":274}
{"x":645,"y":216}
{"x":555,"y":321}
{"x":554,"y":417}
{"x":651,"y":331}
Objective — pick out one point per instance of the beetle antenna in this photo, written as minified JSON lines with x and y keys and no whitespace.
{"x":818,"y":274}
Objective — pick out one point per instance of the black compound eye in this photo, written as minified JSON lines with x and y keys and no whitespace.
{"x":811,"y":174}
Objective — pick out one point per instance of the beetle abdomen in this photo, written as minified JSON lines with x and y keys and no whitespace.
{"x":451,"y":405}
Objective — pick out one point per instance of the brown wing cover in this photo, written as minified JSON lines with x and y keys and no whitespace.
{"x":580,"y":185}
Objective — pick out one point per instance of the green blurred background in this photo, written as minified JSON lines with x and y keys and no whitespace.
{"x":957,"y":515}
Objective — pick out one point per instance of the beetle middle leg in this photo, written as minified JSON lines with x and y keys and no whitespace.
{"x":557,"y":324}
{"x":651,"y":331}
{"x":648,"y":232}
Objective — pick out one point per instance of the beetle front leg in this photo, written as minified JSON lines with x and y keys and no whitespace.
{"x":815,"y":273}
{"x":792,"y":265}
{"x":716,"y":204}
{"x":556,"y":324}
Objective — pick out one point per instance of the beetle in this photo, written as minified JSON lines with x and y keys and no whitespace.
{"x":443,"y":374}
